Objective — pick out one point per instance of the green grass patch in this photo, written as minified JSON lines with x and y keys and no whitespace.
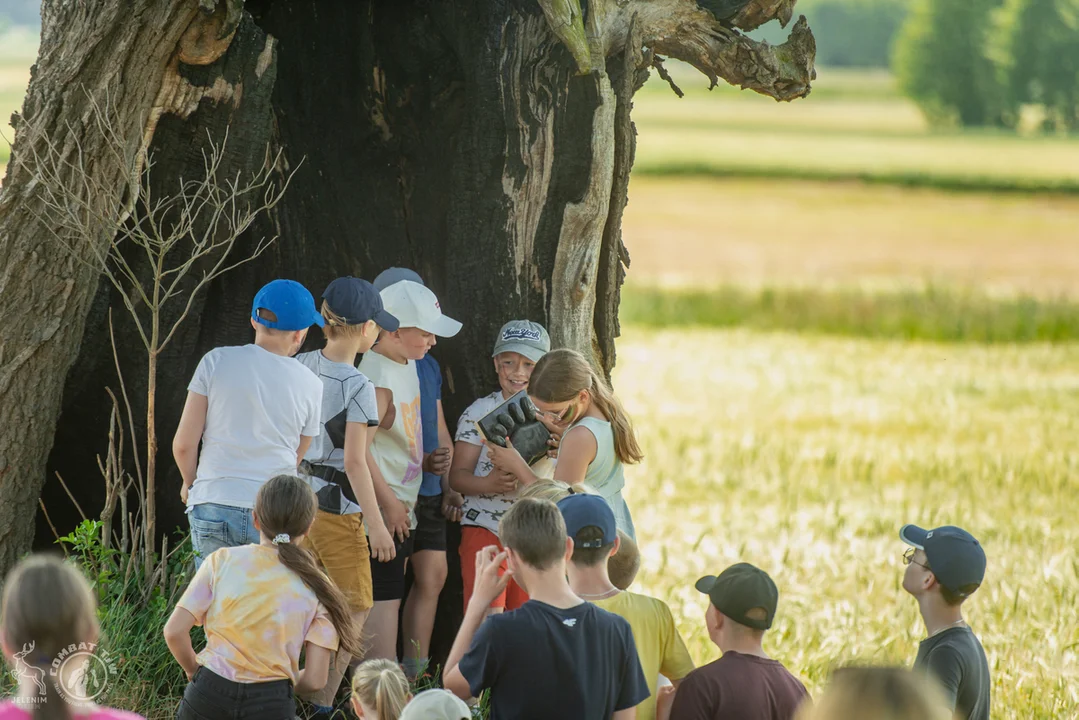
{"x":930,"y":313}
{"x":899,"y":178}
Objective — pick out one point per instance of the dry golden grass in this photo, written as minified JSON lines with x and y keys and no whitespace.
{"x":804,"y":455}
{"x":762,"y":232}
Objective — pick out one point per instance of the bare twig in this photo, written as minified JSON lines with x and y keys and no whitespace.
{"x":72,"y":497}
{"x":41,"y":504}
{"x":657,"y":63}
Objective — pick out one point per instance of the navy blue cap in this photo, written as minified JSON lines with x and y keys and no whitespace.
{"x":954,"y":556}
{"x":291,"y":302}
{"x":357,"y":301}
{"x":581,"y":511}
{"x":394,"y":275}
{"x":739,"y":590}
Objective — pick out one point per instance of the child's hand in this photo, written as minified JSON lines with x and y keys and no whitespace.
{"x":506,"y":459}
{"x":396,"y":516}
{"x":437,"y":462}
{"x":502,"y":482}
{"x":489,"y":584}
{"x":183,"y":493}
{"x":664,"y":701}
{"x":381,"y":542}
{"x":452,"y":501}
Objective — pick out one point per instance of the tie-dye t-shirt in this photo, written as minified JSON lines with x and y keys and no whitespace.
{"x":257,"y":615}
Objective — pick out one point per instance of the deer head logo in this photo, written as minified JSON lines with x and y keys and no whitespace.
{"x":25,"y":671}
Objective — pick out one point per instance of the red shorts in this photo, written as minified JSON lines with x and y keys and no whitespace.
{"x":474,"y":539}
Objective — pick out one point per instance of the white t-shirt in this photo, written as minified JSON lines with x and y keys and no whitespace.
{"x":258,"y":406}
{"x":487,"y":509}
{"x":398,"y":452}
{"x":347,"y":397}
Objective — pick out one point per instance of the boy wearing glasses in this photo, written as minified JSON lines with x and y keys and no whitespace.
{"x":944,"y":567}
{"x":489,"y":493}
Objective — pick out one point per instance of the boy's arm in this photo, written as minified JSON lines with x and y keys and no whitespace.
{"x":305,"y":443}
{"x":185,"y":443}
{"x":359,"y":477}
{"x":178,"y":637}
{"x":462,"y":476}
{"x":395,"y":512}
{"x":486,"y":588}
{"x":627,"y":714}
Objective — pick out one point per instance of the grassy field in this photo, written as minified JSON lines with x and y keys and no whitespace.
{"x":853,"y":126}
{"x":806,"y":454}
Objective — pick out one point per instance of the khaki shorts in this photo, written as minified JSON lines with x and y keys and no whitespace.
{"x":339,"y":542}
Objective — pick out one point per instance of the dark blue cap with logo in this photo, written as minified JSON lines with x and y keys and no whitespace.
{"x":290,"y":302}
{"x":357,"y":301}
{"x":394,"y":275}
{"x":954,"y":556}
{"x":581,"y":511}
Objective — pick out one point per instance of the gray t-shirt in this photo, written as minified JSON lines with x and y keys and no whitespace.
{"x":955,"y":658}
{"x":258,"y":406}
{"x":347,"y":396}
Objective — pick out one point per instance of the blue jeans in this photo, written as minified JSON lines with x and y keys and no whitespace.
{"x":216,"y":526}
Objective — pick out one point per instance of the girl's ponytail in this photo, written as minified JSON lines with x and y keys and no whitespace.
{"x":381,"y":686}
{"x":47,"y":606}
{"x":561,"y":374}
{"x":286,"y":508}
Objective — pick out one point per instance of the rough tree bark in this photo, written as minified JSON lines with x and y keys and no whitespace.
{"x":474,"y":141}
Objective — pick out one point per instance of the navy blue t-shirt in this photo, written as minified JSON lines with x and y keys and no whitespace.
{"x":430,"y":393}
{"x":545,"y":662}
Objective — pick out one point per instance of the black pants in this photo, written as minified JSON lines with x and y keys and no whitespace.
{"x":211,"y":697}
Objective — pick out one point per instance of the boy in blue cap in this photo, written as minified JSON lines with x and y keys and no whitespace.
{"x":256,"y":410}
{"x":944,"y":567}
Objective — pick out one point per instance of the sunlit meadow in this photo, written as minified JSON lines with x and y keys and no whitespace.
{"x":806,"y":454}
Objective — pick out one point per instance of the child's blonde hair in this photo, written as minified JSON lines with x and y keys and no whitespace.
{"x":381,"y":686}
{"x":337,"y":327}
{"x":623,"y":566}
{"x":561,"y":374}
{"x":47,"y":606}
{"x":881,"y":693}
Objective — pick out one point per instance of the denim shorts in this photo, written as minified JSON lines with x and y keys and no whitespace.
{"x":216,"y":526}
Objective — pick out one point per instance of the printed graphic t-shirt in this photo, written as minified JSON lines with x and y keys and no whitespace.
{"x":258,"y":406}
{"x":347,"y":396}
{"x":487,"y":509}
{"x":12,"y":710}
{"x":257,"y":614}
{"x":545,"y":662}
{"x":659,"y":646}
{"x":399,"y":450}
{"x":430,"y":393}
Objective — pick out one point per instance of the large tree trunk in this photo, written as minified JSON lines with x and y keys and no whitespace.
{"x":461,"y":139}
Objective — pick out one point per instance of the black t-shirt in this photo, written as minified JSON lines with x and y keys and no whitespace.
{"x":955,"y":658}
{"x":545,"y":662}
{"x":740,"y":686}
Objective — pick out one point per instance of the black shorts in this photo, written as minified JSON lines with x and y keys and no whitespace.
{"x":388,"y":578}
{"x":430,"y":532}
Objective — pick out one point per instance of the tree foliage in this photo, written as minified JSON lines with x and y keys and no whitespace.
{"x":1040,"y":62}
{"x":943,"y":62}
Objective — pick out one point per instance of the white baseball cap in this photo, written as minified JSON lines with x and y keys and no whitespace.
{"x":416,"y":306}
{"x":436,"y":704}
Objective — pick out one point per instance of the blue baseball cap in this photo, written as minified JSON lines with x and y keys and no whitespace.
{"x":357,"y":301}
{"x":291,"y":302}
{"x":581,"y":511}
{"x":394,"y":275}
{"x":954,"y":556}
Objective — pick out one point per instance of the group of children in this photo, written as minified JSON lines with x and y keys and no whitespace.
{"x":318,"y":481}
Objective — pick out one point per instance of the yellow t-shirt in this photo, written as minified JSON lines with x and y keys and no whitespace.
{"x":257,"y":614}
{"x":659,"y":646}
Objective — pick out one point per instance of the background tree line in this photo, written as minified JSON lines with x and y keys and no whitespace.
{"x":965,"y":62}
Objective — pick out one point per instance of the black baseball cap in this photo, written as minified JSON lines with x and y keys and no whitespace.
{"x":357,"y":301}
{"x":739,"y":589}
{"x":954,"y":555}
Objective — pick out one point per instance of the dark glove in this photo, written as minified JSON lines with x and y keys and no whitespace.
{"x":517,"y":421}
